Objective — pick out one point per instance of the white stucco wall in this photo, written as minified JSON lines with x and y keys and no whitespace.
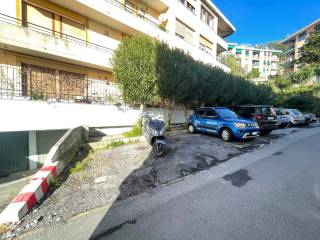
{"x":25,"y":115}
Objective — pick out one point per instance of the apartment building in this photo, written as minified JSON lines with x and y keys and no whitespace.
{"x":266,"y":60}
{"x":293,"y":45}
{"x":55,"y":63}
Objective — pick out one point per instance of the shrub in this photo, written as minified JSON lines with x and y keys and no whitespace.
{"x":136,"y":130}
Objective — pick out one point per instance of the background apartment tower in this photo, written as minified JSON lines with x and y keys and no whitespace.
{"x":265,"y":60}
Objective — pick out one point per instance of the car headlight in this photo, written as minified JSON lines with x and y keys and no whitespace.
{"x":240,"y":125}
{"x":154,"y":132}
{"x":161,"y":132}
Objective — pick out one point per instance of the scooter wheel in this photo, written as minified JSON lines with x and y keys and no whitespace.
{"x":158,"y":149}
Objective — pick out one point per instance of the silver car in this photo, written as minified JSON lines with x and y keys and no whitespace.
{"x":295,"y":117}
{"x":282,"y":117}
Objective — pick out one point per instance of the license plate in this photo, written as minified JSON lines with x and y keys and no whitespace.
{"x":270,"y":118}
{"x":254,"y":133}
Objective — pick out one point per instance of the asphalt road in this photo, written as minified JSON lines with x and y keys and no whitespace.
{"x":273,"y":193}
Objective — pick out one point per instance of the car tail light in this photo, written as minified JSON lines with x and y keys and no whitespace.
{"x":259,"y":117}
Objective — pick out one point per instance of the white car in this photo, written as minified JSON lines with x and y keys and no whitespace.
{"x":295,"y":117}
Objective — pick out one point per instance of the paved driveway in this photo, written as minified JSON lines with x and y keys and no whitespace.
{"x":120,"y":173}
{"x":272,"y":193}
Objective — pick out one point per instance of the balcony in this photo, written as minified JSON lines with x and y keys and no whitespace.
{"x":31,"y":39}
{"x":256,"y":57}
{"x":196,"y":53}
{"x":118,"y":15}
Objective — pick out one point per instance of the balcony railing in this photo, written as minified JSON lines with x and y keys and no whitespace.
{"x":138,"y":13}
{"x":37,"y":83}
{"x":39,"y":29}
{"x":206,"y":49}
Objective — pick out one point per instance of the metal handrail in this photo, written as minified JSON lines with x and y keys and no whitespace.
{"x":50,"y":32}
{"x":136,"y":13}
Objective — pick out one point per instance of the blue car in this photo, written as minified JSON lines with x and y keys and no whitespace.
{"x":223,"y":122}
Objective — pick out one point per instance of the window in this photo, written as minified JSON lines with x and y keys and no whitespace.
{"x":72,"y":28}
{"x":184,"y":32}
{"x":210,"y":114}
{"x":44,"y":21}
{"x":206,"y":17}
{"x":255,"y":63}
{"x":199,"y":113}
{"x":247,"y":52}
{"x":302,"y":36}
{"x":256,"y":54}
{"x":38,"y":18}
{"x":226,"y":113}
{"x":188,"y":5}
{"x":205,"y":45}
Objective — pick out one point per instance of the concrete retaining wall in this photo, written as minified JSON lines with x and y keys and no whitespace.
{"x":59,"y":155}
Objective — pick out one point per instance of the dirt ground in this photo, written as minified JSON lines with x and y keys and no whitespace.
{"x":119,"y":173}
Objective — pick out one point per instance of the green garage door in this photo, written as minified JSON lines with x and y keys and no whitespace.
{"x":14,"y":152}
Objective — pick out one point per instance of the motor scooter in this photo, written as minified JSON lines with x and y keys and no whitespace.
{"x":154,"y":130}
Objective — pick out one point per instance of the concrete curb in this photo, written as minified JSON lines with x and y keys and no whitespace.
{"x":33,"y":192}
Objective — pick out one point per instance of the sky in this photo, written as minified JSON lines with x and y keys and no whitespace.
{"x":261,"y":21}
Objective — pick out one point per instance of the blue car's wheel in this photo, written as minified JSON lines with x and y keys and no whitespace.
{"x":226,"y":135}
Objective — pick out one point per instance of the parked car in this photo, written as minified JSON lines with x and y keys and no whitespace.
{"x":310,"y":118}
{"x":282,"y":117}
{"x":223,"y":122}
{"x":295,"y":116}
{"x":264,"y":115}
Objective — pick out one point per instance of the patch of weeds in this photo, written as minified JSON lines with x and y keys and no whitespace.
{"x":115,"y":144}
{"x":56,"y":183}
{"x":133,"y":141}
{"x":136,"y":131}
{"x":81,"y":166}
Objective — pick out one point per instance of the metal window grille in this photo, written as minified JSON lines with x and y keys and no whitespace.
{"x":40,"y":83}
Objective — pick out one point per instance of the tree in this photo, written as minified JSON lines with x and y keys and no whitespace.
{"x":232,"y":62}
{"x":281,"y":82}
{"x":311,"y":50}
{"x":254,"y":73}
{"x":302,"y":76}
{"x":134,"y":68}
{"x":275,"y":45}
{"x":170,"y":71}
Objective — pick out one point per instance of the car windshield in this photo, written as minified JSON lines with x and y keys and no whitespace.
{"x":280,"y":111}
{"x":226,"y":113}
{"x":267,"y":110}
{"x":296,"y":112}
